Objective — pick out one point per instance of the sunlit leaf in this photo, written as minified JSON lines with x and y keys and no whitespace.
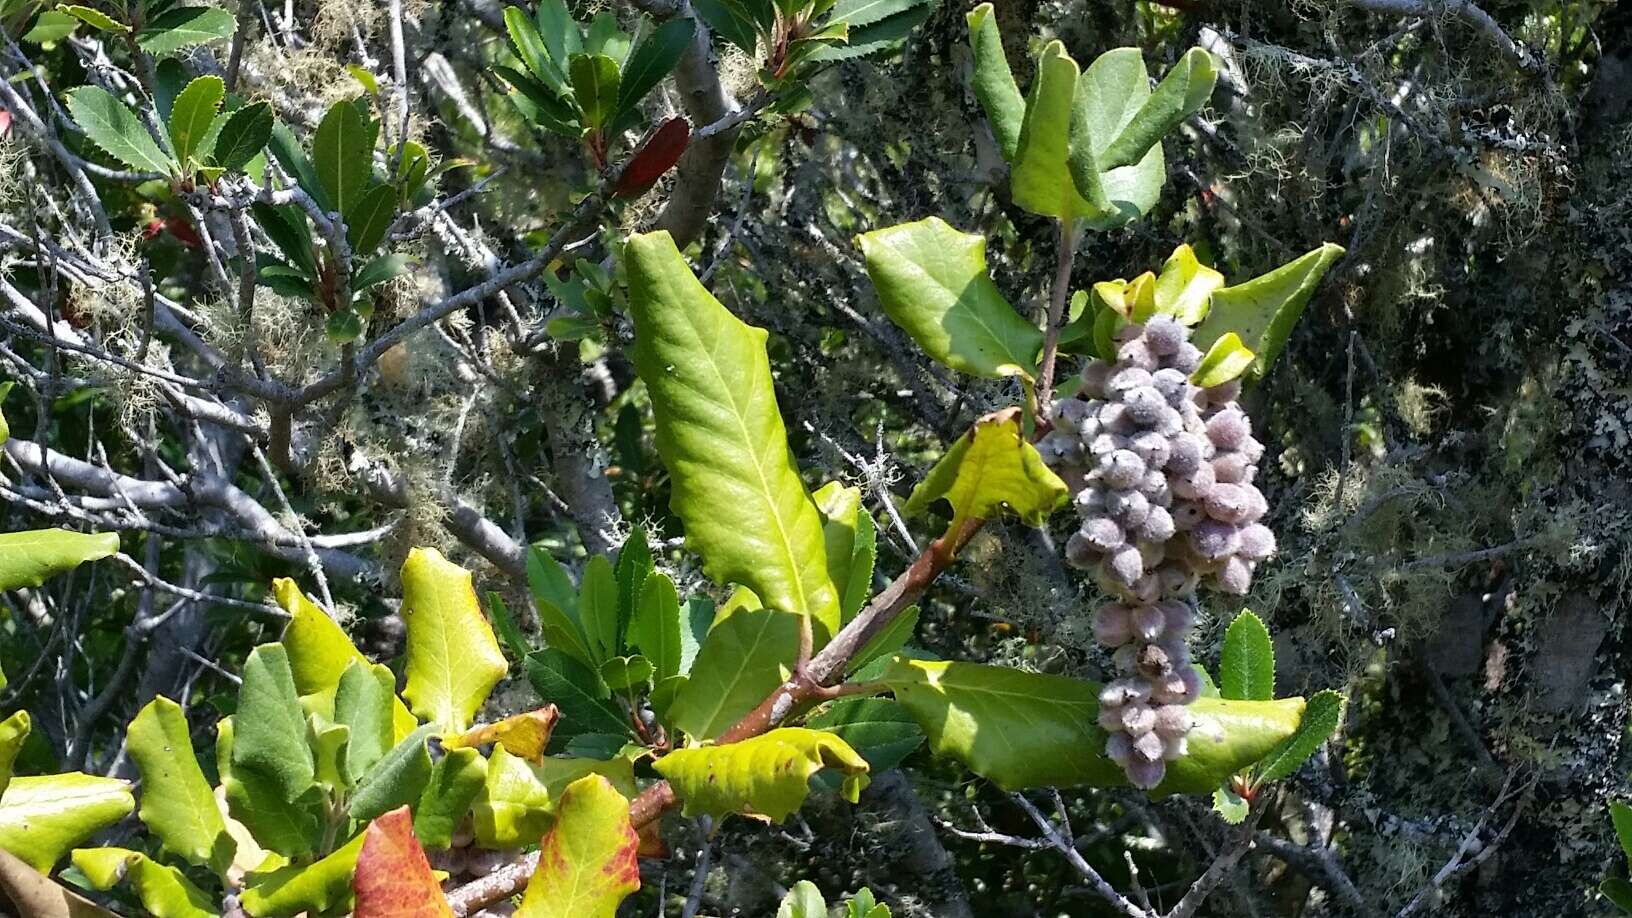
{"x":1263,"y":311}
{"x":393,"y":878}
{"x":27,"y":558}
{"x":1246,"y":669}
{"x":586,"y":864}
{"x":42,"y":817}
{"x":991,"y":468}
{"x":453,"y":658}
{"x":525,"y":734}
{"x":767,"y":776}
{"x":164,"y":891}
{"x":743,"y":659}
{"x":316,"y":888}
{"x":177,"y":803}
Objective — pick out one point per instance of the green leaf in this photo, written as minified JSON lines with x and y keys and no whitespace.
{"x":880,"y":730}
{"x":287,"y":228}
{"x":320,"y":652}
{"x":343,"y":154}
{"x":1110,"y":94}
{"x":863,"y":905}
{"x":529,"y":45}
{"x":1262,"y":311}
{"x":840,"y":506}
{"x":243,"y":136}
{"x":557,"y":772}
{"x":34,"y":894}
{"x":1619,"y":892}
{"x":1225,"y":360}
{"x":557,"y":602}
{"x":42,"y":817}
{"x":193,"y":113}
{"x":1246,"y":669}
{"x":598,"y":607}
{"x":51,"y":26}
{"x":989,"y":468}
{"x":396,"y":779}
{"x":1621,"y":815}
{"x":328,"y":741}
{"x":804,"y":900}
{"x":369,"y":218}
{"x":655,"y":629}
{"x":595,"y":87}
{"x":651,"y":60}
{"x":730,"y":20}
{"x":177,"y":803}
{"x":1041,"y":179}
{"x":94,"y":18}
{"x":994,"y":82}
{"x":634,"y":565}
{"x":744,"y":658}
{"x":767,"y":776}
{"x":116,"y":130}
{"x":453,"y":659}
{"x":379,"y":271}
{"x":318,"y":888}
{"x":287,"y":151}
{"x":362,"y":703}
{"x":1319,"y":721}
{"x":586,"y":863}
{"x":14,"y":732}
{"x":1182,"y":93}
{"x":27,"y":558}
{"x":5,"y":429}
{"x":932,"y":281}
{"x":561,"y":34}
{"x":455,"y":781}
{"x":586,"y":703}
{"x":698,"y":617}
{"x":269,"y":736}
{"x":1186,"y":286}
{"x":627,"y":674}
{"x":1229,"y":806}
{"x":184,"y":26}
{"x":513,"y":806}
{"x":1021,"y":729}
{"x":734,"y":483}
{"x":505,"y":624}
{"x":290,"y":828}
{"x":164,"y":891}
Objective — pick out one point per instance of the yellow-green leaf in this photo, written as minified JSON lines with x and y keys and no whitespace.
{"x":456,"y":779}
{"x":42,"y":817}
{"x":994,"y":82}
{"x":1226,"y":359}
{"x":765,"y":777}
{"x":192,"y":114}
{"x":513,"y":807}
{"x":164,"y":891}
{"x":1041,"y":180}
{"x":525,"y":734}
{"x":453,"y":658}
{"x":1186,"y":286}
{"x":586,"y":864}
{"x":319,"y":652}
{"x":177,"y":803}
{"x":94,"y":18}
{"x":315,"y":888}
{"x":932,"y":281}
{"x":734,"y":482}
{"x":5,"y":429}
{"x":1263,"y":311}
{"x":13,"y":733}
{"x":743,"y":659}
{"x":989,"y":468}
{"x":27,"y":558}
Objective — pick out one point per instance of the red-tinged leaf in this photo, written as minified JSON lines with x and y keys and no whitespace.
{"x":393,"y":878}
{"x":652,"y":844}
{"x":586,"y":864}
{"x":5,"y":124}
{"x":183,"y":231}
{"x":657,"y":156}
{"x":525,"y":734}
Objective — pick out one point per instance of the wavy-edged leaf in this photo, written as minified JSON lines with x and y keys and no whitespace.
{"x":803,"y":900}
{"x":1246,"y":668}
{"x":393,"y":878}
{"x":177,"y":803}
{"x":586,"y":864}
{"x":1186,"y":286}
{"x":735,"y":484}
{"x":115,"y":129}
{"x":185,"y":26}
{"x":1263,"y":311}
{"x":989,"y":468}
{"x":767,"y":776}
{"x":27,"y":558}
{"x":453,"y":658}
{"x":932,"y":281}
{"x":343,"y":154}
{"x":192,"y":115}
{"x":319,"y":652}
{"x":879,"y":729}
{"x":164,"y":892}
{"x":362,"y":704}
{"x":743,"y":659}
{"x":41,"y":817}
{"x":317,"y":888}
{"x":525,"y":734}
{"x":1041,"y":178}
{"x":595,"y":82}
{"x":513,"y":806}
{"x":1110,"y":94}
{"x":1021,"y":729}
{"x":243,"y":135}
{"x":14,"y":732}
{"x":1319,"y":721}
{"x":94,"y":18}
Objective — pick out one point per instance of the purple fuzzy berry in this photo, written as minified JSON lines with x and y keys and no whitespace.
{"x":1068,"y":414}
{"x":1186,"y":359}
{"x":1148,"y":622}
{"x":1095,"y":375}
{"x":1103,"y":533}
{"x":1186,"y":514}
{"x":1113,"y":626}
{"x":1214,"y":540}
{"x":1147,"y":746}
{"x":1061,"y":447}
{"x":1081,"y":553}
{"x":1235,"y":578}
{"x":1257,"y":542}
{"x":1119,"y":748}
{"x":1228,"y":503}
{"x":1136,"y":353}
{"x":1196,"y":485}
{"x":1152,"y":447}
{"x":1125,"y":379}
{"x":1125,"y":566}
{"x":1138,"y":718}
{"x":1230,"y":467}
{"x":1145,"y":405}
{"x":1229,"y":428}
{"x":1146,"y":775}
{"x":1163,"y":335}
{"x":1129,"y":508}
{"x":1123,"y":469}
{"x":1185,"y":454}
{"x":1157,"y":526}
{"x":1172,"y":720}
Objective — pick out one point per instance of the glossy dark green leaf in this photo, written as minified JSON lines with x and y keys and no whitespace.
{"x":185,"y":26}
{"x":655,"y":629}
{"x":651,"y":60}
{"x":343,"y":154}
{"x":369,"y":218}
{"x":595,"y":85}
{"x":1319,"y":721}
{"x":1246,"y":668}
{"x":193,"y":114}
{"x":586,"y":703}
{"x":243,"y":136}
{"x":289,"y":154}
